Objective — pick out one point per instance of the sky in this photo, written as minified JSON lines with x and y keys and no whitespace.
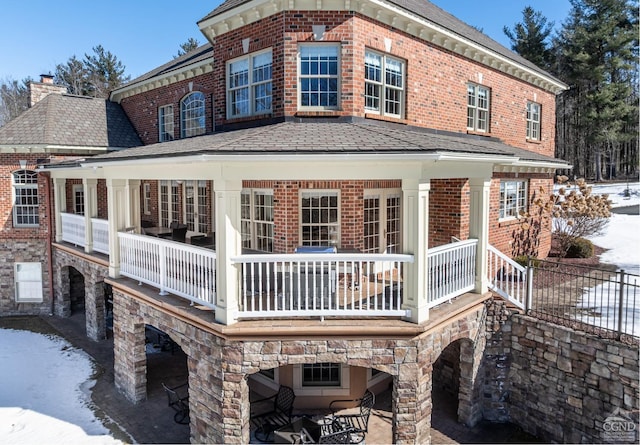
{"x":37,"y":35}
{"x":45,"y":395}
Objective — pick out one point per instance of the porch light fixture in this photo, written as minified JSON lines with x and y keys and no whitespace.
{"x":23,"y":163}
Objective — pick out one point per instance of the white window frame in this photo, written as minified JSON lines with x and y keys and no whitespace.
{"x":28,"y":282}
{"x":168,"y":202}
{"x":25,"y":198}
{"x":509,"y":210}
{"x":195,"y":212}
{"x":250,"y":221}
{"x":251,"y":80}
{"x":166,"y":123}
{"x":146,"y":198}
{"x":193,"y":115}
{"x":383,"y":196}
{"x":302,"y":390}
{"x":78,"y":199}
{"x":534,"y":115}
{"x":333,"y":228}
{"x":378,"y":88}
{"x":478,"y":108}
{"x":319,"y":77}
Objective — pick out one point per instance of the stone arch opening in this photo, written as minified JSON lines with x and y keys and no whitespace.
{"x":166,"y":361}
{"x":77,"y":291}
{"x":446,"y":377}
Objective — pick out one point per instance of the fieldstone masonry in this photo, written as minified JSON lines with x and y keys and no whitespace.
{"x":94,"y":274}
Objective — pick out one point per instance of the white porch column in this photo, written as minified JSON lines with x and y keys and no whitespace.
{"x":60,"y":203}
{"x":415,"y":240}
{"x":228,"y":244}
{"x":117,"y":204}
{"x":90,"y":192}
{"x":133,"y":209}
{"x":479,"y":227}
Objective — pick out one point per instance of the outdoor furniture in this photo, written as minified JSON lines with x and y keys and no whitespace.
{"x":291,"y":433}
{"x":179,"y":402}
{"x":277,"y":416}
{"x":169,"y":233}
{"x":329,"y":431}
{"x":203,"y":241}
{"x":357,"y":423}
{"x":179,"y":233}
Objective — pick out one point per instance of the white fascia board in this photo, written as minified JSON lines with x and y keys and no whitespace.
{"x":535,"y":164}
{"x":47,"y":148}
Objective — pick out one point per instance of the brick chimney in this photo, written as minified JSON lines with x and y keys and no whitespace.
{"x":40,"y":90}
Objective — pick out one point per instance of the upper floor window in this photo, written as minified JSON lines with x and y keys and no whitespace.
{"x":477,"y":107}
{"x":146,"y":198}
{"x":533,"y":121}
{"x":384,"y":84}
{"x":165,"y":123}
{"x":320,"y":218}
{"x":513,"y":198}
{"x":25,"y":204}
{"x":192,"y":115}
{"x":249,"y":85}
{"x":257,"y":219}
{"x":78,"y":199}
{"x":318,"y":76}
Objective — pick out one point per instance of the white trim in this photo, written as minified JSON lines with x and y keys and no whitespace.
{"x":337,"y":76}
{"x":342,"y":390}
{"x":35,"y":293}
{"x":322,"y":192}
{"x":250,"y":85}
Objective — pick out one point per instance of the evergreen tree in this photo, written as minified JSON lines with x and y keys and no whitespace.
{"x":597,"y":56}
{"x":530,"y":38}
{"x":14,"y":99}
{"x":74,"y":76}
{"x":187,"y":46}
{"x":104,"y":72}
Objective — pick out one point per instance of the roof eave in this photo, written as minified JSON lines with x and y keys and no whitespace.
{"x":391,"y":15}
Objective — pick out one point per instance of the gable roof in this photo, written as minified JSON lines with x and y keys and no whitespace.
{"x":357,"y":137}
{"x":62,"y":121}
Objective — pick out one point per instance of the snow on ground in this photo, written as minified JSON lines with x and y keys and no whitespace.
{"x":45,"y":392}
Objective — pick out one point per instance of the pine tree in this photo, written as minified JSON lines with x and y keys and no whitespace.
{"x":530,"y":38}
{"x":73,"y":75}
{"x":14,"y":99}
{"x":187,"y":46}
{"x":104,"y":72}
{"x":597,"y":56}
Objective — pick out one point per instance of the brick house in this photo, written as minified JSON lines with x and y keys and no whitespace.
{"x":341,"y":170}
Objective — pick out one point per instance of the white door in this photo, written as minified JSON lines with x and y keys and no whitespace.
{"x":382,"y":225}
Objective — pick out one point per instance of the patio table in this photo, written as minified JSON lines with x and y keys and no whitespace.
{"x":291,"y":433}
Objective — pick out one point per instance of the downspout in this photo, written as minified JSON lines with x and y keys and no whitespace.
{"x":51,"y":237}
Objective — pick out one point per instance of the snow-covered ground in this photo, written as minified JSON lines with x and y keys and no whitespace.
{"x":44,"y":398}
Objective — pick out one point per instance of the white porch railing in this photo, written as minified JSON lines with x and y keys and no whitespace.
{"x":452,"y":270}
{"x":100,"y":234}
{"x":182,"y":269}
{"x":506,"y":277}
{"x":73,"y":228}
{"x":292,"y":285}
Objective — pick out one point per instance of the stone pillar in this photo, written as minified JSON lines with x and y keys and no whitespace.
{"x":469,"y":393}
{"x":415,"y":205}
{"x":117,"y":204}
{"x":479,"y":227}
{"x":412,"y":407}
{"x":90,"y":191}
{"x":60,"y":203}
{"x":95,"y":309}
{"x":228,"y":244}
{"x":129,"y":353}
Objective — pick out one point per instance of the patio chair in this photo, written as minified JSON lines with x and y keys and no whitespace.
{"x":357,"y":423}
{"x":331,"y":431}
{"x":173,"y":225}
{"x":179,"y":403}
{"x":179,"y":233}
{"x":276,"y":417}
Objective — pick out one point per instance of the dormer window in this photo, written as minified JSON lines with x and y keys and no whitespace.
{"x":192,"y":115}
{"x":477,"y":108}
{"x":384,"y":85}
{"x":318,"y":76}
{"x":249,"y":85}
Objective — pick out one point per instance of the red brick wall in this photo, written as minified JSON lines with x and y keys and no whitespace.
{"x":448,"y":210}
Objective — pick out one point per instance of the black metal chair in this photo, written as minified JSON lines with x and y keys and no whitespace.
{"x":331,"y":431}
{"x":173,"y":225}
{"x":179,"y":403}
{"x":277,"y":416}
{"x":179,"y":233}
{"x":357,"y":423}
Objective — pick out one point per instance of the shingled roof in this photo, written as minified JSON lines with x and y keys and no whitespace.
{"x":335,"y":138}
{"x":63,"y":120}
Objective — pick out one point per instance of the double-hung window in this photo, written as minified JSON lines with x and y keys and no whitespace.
{"x":28,"y":282}
{"x":165,"y":123}
{"x":257,"y":219}
{"x":192,"y":115}
{"x":78,"y":199}
{"x":318,"y":76}
{"x":25,"y":203}
{"x":320,"y":218}
{"x":478,"y":108}
{"x":513,"y":198}
{"x":384,"y":84}
{"x":533,"y":121}
{"x":249,"y":85}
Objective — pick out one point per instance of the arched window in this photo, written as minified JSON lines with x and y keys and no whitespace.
{"x":192,"y":115}
{"x":25,"y":203}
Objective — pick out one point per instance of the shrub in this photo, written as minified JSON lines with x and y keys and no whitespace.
{"x":523,"y":260}
{"x":580,"y":248}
